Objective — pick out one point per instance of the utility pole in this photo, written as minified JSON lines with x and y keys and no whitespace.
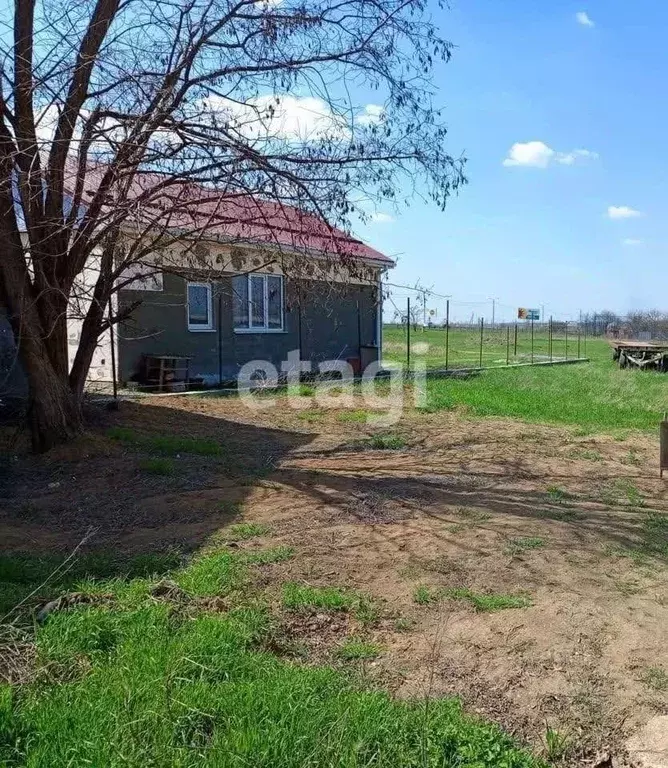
{"x":493,"y":300}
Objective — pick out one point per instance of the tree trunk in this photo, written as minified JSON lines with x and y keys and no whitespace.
{"x":54,"y":411}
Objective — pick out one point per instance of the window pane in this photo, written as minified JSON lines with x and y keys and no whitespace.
{"x":240,"y":301}
{"x":257,"y":301}
{"x":198,"y":305}
{"x":274,"y":303}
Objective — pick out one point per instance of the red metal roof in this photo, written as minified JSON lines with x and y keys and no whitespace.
{"x":242,"y":218}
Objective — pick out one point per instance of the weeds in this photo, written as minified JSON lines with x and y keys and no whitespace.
{"x":245,"y":531}
{"x":656,"y":678}
{"x":563,"y":515}
{"x":482,"y":602}
{"x":387,"y":442}
{"x":354,"y":649}
{"x":585,"y":454}
{"x":632,"y":458}
{"x":310,"y":416}
{"x":473,"y":516}
{"x":425,"y":595}
{"x":556,"y":744}
{"x":487,"y":602}
{"x":301,"y":596}
{"x":556,"y":494}
{"x":267,"y":556}
{"x":522,"y":544}
{"x":622,"y":490}
{"x":403,"y":624}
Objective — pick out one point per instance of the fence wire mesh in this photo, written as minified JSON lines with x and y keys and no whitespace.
{"x":419,"y":324}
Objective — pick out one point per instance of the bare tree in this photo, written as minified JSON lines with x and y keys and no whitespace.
{"x":129,"y":125}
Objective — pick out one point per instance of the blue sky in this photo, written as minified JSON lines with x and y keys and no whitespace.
{"x":537,"y":230}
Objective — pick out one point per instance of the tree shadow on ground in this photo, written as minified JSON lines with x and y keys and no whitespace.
{"x":147,"y":486}
{"x":434,"y":495}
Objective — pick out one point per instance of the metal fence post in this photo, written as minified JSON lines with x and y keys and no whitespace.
{"x":408,"y":333}
{"x":447,"y":333}
{"x":532,"y":340}
{"x":549,"y":338}
{"x":507,"y":345}
{"x":566,"y":339}
{"x":585,"y":340}
{"x":515,"y":354}
{"x":579,"y":334}
{"x":482,"y":331}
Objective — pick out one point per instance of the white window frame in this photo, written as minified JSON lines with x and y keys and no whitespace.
{"x":265,"y":327}
{"x":200,"y":327}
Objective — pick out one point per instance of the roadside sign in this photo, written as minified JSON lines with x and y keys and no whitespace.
{"x":528,"y":314}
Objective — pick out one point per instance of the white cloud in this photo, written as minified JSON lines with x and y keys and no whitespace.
{"x":287,"y":117}
{"x":381,"y":218}
{"x":372,"y":115}
{"x":570,"y":158}
{"x":537,"y":154}
{"x":622,"y":212}
{"x":533,"y":153}
{"x":631,"y":241}
{"x":284,"y":116}
{"x":583,"y":18}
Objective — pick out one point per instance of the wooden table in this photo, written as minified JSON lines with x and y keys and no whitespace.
{"x":164,"y":369}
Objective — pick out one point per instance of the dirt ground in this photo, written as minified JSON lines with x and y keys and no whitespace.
{"x":492,"y":506}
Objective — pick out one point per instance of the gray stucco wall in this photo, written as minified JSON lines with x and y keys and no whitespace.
{"x":326,"y":327}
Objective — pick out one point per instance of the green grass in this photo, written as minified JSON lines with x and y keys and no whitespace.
{"x":523,"y":544}
{"x":655,"y":678}
{"x":300,"y":596}
{"x":481,"y":601}
{"x":266,"y":556}
{"x":424,"y":595}
{"x":585,"y":454}
{"x":557,"y":744}
{"x":157,"y":465}
{"x":484,"y":602}
{"x":464,"y":346}
{"x":245,"y":531}
{"x":652,"y":542}
{"x":132,"y":683}
{"x":556,"y":494}
{"x":386,"y":442}
{"x":22,"y":573}
{"x":595,"y":396}
{"x":354,"y":649}
{"x":622,"y":491}
{"x":563,"y":515}
{"x":168,"y":445}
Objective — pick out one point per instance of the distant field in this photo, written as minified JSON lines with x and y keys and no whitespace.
{"x":596,"y":396}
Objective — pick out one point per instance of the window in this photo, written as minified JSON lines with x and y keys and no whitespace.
{"x":258,"y":302}
{"x":200,"y":314}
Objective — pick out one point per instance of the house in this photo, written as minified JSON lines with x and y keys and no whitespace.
{"x":260,"y":281}
{"x":267,"y":280}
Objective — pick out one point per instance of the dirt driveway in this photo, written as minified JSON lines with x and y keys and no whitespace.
{"x":522,"y":567}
